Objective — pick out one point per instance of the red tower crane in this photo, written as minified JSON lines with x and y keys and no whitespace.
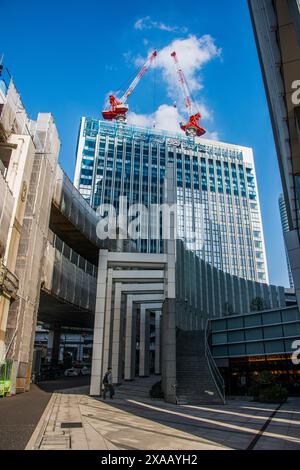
{"x":192,"y":127}
{"x":119,"y":107}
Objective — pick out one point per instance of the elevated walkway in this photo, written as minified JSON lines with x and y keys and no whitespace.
{"x":73,"y":219}
{"x":68,"y":294}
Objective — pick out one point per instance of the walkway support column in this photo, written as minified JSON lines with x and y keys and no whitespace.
{"x":130,"y":339}
{"x":144,"y":341}
{"x":55,"y":345}
{"x":107,"y":347}
{"x":157,"y":342}
{"x":117,"y":357}
{"x":97,"y":362}
{"x":168,"y":323}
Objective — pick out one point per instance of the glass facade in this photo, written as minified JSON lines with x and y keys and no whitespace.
{"x":261,"y":333}
{"x":218,"y":213}
{"x":285,"y":229}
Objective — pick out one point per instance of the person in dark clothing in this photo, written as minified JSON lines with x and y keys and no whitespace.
{"x":108,"y":384}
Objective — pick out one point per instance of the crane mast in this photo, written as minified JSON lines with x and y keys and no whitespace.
{"x":119,"y":108}
{"x":192,"y":127}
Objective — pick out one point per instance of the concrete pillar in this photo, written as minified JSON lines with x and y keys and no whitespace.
{"x":144,"y":342}
{"x":117,"y":356}
{"x":130,"y":339}
{"x":97,"y":361}
{"x":50,"y":345}
{"x":168,"y":323}
{"x":168,"y":351}
{"x":107,"y":348}
{"x":80,"y":349}
{"x":157,"y":342}
{"x":50,"y":340}
{"x":56,"y":345}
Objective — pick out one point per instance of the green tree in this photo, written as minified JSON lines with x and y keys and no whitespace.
{"x":257,"y":305}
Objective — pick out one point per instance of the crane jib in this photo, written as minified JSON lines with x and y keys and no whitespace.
{"x":192,"y":127}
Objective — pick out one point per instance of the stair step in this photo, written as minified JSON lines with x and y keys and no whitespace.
{"x":195,"y":384}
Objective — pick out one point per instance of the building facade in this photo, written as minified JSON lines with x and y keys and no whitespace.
{"x":244,"y":346}
{"x":218,"y":209}
{"x":285,"y":229}
{"x":276,"y":26}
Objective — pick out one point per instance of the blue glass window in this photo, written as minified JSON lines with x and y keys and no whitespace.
{"x":85,"y":182}
{"x":87,"y":162}
{"x":86,"y":172}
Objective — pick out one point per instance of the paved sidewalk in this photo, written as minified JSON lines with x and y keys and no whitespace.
{"x":286,"y":424}
{"x":20,"y":414}
{"x":73,"y":420}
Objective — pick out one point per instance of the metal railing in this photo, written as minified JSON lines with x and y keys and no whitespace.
{"x":68,"y":276}
{"x":6,"y":369}
{"x":75,"y":208}
{"x":214,"y":371}
{"x":71,"y":255}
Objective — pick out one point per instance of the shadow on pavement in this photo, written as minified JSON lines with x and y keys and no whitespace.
{"x":20,"y":414}
{"x":234,"y":425}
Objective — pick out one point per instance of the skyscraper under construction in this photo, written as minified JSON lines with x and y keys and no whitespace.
{"x":218,"y":209}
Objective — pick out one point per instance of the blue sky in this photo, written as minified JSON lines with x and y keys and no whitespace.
{"x":65,"y":56}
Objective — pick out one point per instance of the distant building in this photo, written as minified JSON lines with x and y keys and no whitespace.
{"x":218,"y":209}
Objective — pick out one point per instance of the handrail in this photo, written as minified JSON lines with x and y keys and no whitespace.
{"x":214,"y":371}
{"x":9,"y":345}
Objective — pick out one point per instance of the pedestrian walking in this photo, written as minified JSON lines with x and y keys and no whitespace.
{"x":108,"y":384}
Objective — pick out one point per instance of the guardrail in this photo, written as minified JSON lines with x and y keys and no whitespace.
{"x":71,"y":255}
{"x":214,"y":371}
{"x":6,"y":369}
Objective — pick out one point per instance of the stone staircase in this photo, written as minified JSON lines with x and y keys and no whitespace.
{"x":195,"y":384}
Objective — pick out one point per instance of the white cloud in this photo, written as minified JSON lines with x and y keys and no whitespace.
{"x":147,"y":23}
{"x":140,"y":120}
{"x":193,"y":54}
{"x":165,"y":118}
{"x":214,"y":135}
